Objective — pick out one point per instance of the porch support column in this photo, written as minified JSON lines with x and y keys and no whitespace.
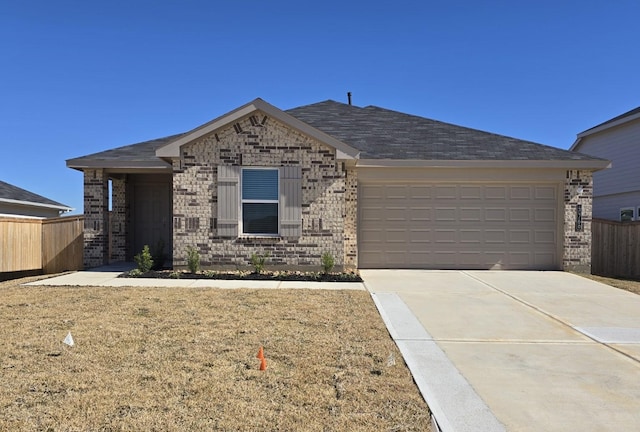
{"x":96,"y":218}
{"x":119,"y":219}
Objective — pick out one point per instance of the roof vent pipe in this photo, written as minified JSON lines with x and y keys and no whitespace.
{"x":349,"y":97}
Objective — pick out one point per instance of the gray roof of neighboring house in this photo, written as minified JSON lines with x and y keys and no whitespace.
{"x":377,"y":132}
{"x":9,"y":192}
{"x":385,"y":134}
{"x":615,"y":119}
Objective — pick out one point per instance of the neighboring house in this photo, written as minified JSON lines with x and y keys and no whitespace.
{"x":15,"y":201}
{"x":373,"y":187}
{"x":616,"y":193}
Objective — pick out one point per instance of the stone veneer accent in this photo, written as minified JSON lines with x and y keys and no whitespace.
{"x":96,"y":218}
{"x":119,"y":219}
{"x":577,"y":244}
{"x":328,"y":225}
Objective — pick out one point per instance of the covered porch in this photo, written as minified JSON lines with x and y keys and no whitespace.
{"x":125,"y":212}
{"x":127,"y":203}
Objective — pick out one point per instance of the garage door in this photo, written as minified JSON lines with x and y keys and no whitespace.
{"x":458,"y":226}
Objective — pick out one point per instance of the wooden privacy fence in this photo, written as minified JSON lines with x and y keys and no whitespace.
{"x":50,"y":245}
{"x":615,"y":249}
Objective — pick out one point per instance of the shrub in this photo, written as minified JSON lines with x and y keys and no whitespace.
{"x":193,"y":259}
{"x":258,"y":261}
{"x":327,"y":262}
{"x":144,"y":260}
{"x":134,"y":273}
{"x":175,"y":275}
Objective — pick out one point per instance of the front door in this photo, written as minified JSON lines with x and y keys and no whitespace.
{"x":151,"y":214}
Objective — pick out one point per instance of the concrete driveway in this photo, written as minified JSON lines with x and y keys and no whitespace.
{"x":516,"y":351}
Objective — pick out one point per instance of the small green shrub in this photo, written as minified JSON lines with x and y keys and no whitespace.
{"x":175,"y":275}
{"x":144,"y":260}
{"x":258,"y":261}
{"x":327,"y":262}
{"x":193,"y":259}
{"x":134,"y":273}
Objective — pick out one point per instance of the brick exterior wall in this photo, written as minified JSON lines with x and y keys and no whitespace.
{"x":578,"y":190}
{"x":96,"y":218}
{"x":351,"y":220}
{"x":119,"y":219}
{"x":258,"y":140}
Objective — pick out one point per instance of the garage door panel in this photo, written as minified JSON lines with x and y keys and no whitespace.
{"x":420,"y":192}
{"x":446,"y":214}
{"x":445,"y":236}
{"x":445,"y":259}
{"x":520,"y":259}
{"x":471,"y":259}
{"x":520,"y":237}
{"x":544,"y":237}
{"x":544,"y":260}
{"x":544,"y":215}
{"x":420,"y":259}
{"x":495,"y":192}
{"x":471,"y":214}
{"x":545,"y":192}
{"x":495,"y":214}
{"x":471,"y":236}
{"x":471,"y":192}
{"x":446,"y":192}
{"x":520,"y":215}
{"x":495,"y":236}
{"x":475,"y":226}
{"x":420,"y":235}
{"x":520,"y":192}
{"x":396,"y":258}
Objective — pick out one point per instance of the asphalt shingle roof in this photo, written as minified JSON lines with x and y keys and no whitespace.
{"x":385,"y":134}
{"x":139,"y":152}
{"x":620,"y":117}
{"x":377,"y":133}
{"x":9,"y":191}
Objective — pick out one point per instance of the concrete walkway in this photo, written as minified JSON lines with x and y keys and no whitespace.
{"x":516,"y":351}
{"x":108,"y":277}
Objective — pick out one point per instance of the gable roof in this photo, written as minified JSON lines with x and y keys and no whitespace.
{"x":629,"y":116}
{"x":15,"y":195}
{"x":371,"y":134}
{"x":173,"y":149}
{"x":385,"y":134}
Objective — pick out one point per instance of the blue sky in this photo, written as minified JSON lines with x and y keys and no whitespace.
{"x":78,"y":77}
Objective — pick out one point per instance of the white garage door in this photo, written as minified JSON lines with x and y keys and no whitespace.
{"x":458,"y":226}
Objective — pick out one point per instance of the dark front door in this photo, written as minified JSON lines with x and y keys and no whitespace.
{"x":151,"y":214}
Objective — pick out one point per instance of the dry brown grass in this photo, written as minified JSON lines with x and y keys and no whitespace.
{"x":627,"y":285}
{"x":185,"y":359}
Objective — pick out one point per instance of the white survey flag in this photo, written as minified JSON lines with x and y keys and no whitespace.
{"x":69,"y":340}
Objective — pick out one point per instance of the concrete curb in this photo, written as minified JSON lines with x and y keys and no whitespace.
{"x":454,"y":404}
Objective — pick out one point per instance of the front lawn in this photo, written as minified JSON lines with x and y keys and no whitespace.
{"x":185,"y":360}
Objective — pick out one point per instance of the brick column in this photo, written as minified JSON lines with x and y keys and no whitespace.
{"x":119,"y":219}
{"x":578,"y":191}
{"x":96,"y":218}
{"x":351,"y":220}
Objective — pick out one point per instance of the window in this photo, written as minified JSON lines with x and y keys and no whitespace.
{"x":260,"y":192}
{"x":259,"y":201}
{"x":626,"y":214}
